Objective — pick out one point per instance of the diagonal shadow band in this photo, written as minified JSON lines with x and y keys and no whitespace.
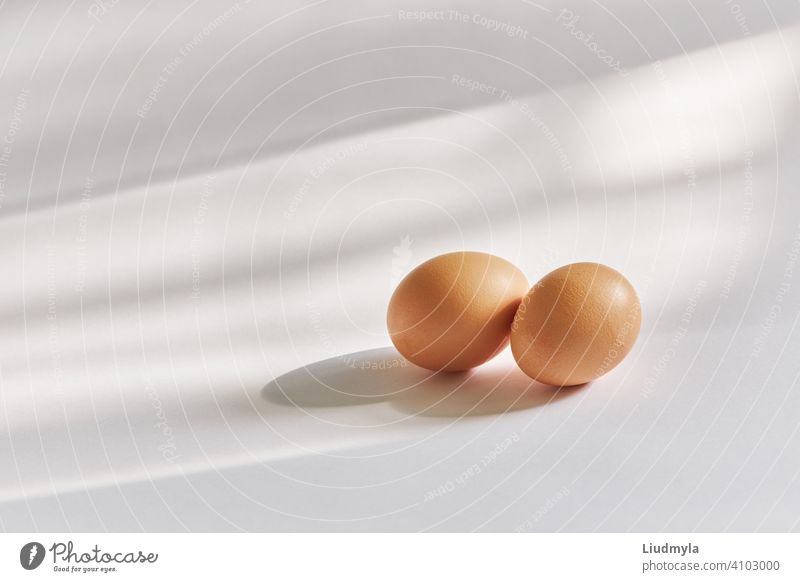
{"x":383,"y":376}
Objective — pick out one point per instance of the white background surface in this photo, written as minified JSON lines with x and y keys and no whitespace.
{"x":176,"y":240}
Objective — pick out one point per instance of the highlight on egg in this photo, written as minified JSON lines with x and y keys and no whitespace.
{"x":576,"y":324}
{"x":454,"y":312}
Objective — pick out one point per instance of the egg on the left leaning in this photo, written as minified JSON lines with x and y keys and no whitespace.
{"x":454,"y":312}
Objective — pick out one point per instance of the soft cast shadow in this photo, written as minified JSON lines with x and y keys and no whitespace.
{"x":383,"y":375}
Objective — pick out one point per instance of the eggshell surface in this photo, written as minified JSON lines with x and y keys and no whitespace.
{"x":575,"y":324}
{"x":454,"y":312}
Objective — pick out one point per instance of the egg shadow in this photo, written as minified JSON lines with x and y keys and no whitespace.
{"x":383,"y":376}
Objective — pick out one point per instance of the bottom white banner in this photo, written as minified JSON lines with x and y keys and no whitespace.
{"x":354,"y":557}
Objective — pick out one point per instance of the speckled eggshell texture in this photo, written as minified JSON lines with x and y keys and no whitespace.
{"x":454,"y":312}
{"x":575,"y":324}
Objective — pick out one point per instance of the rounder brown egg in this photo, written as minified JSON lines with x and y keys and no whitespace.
{"x":575,"y":324}
{"x":454,"y":312}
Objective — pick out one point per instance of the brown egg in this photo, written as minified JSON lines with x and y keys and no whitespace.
{"x":575,"y":324}
{"x":454,"y":312}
